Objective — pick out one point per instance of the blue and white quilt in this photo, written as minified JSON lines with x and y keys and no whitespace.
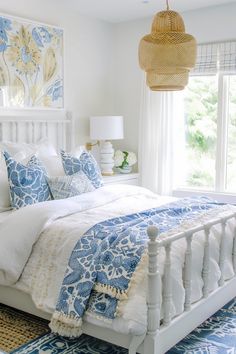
{"x":107,"y":257}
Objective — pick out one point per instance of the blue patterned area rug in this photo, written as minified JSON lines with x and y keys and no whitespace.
{"x":217,"y":335}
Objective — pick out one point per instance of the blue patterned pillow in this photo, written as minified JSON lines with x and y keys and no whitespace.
{"x":28,"y":184}
{"x":69,"y":186}
{"x":85,"y":163}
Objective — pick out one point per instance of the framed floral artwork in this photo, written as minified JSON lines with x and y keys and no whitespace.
{"x":31,"y":64}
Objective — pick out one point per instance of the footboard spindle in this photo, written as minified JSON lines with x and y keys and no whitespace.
{"x":206,"y":263}
{"x":234,"y":250}
{"x":154,"y":293}
{"x":188,"y":272}
{"x":222,"y":253}
{"x":167,"y":293}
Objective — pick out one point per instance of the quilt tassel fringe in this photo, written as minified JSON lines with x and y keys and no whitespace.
{"x":97,"y":317}
{"x":66,"y":326}
{"x":110,"y":290}
{"x":136,"y":279}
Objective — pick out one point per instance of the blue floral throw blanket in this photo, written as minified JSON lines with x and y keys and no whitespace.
{"x":106,"y":259}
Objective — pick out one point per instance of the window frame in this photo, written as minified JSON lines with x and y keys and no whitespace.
{"x":219,"y":191}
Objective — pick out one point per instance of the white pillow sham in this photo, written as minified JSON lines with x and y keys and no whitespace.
{"x":77,"y":151}
{"x":43,"y":148}
{"x":53,"y":164}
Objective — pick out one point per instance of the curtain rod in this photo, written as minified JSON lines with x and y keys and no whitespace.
{"x":217,"y":42}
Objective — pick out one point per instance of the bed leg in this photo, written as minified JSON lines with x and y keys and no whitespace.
{"x":135,"y":343}
{"x":151,"y":345}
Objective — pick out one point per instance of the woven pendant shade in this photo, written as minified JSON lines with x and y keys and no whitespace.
{"x":168,"y":53}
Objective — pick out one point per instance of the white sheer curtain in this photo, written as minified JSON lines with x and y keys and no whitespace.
{"x":161,"y":138}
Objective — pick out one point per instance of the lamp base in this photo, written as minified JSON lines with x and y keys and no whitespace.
{"x":106,"y":158}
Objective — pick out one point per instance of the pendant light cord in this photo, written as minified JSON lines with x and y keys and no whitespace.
{"x":167,"y":5}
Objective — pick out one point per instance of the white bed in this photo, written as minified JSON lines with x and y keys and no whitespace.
{"x":157,"y":330}
{"x":5,"y":214}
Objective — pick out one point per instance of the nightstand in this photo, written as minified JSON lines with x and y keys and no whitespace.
{"x":129,"y":178}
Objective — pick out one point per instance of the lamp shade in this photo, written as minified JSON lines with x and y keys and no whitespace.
{"x":168,"y":53}
{"x":106,"y":128}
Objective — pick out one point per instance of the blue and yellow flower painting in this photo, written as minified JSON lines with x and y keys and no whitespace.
{"x":31,"y":65}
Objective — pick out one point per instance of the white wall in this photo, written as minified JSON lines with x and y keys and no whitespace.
{"x":102,"y":75}
{"x":209,"y":24}
{"x":87,"y":61}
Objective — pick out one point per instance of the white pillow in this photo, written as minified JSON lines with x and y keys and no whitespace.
{"x":53,"y":166}
{"x":45,"y":148}
{"x":77,"y":151}
{"x":15,"y":148}
{"x":41,"y":149}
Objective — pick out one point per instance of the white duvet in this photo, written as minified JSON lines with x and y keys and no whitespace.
{"x":36,"y":242}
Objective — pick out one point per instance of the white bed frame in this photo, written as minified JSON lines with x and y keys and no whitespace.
{"x":30,"y":125}
{"x":163,"y":334}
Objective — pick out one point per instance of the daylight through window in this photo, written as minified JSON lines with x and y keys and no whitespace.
{"x":209,"y":152}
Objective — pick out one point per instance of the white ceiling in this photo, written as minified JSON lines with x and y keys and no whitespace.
{"x":125,"y":10}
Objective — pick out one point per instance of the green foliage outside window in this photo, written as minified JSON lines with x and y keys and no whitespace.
{"x":201,"y":99}
{"x":201,"y":106}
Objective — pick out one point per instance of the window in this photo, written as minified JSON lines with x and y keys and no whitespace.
{"x":200,"y":110}
{"x":209,"y":150}
{"x":231,"y":143}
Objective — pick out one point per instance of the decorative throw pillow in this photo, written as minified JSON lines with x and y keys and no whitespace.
{"x":5,"y":202}
{"x":28,"y":184}
{"x":36,"y":163}
{"x":85,"y":163}
{"x":69,"y":186}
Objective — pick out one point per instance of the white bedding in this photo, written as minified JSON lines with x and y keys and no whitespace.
{"x":52,"y":229}
{"x":5,"y":214}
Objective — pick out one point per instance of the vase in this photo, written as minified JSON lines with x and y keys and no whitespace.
{"x":125,"y":169}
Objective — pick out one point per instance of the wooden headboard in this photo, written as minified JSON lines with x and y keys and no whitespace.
{"x":30,"y":126}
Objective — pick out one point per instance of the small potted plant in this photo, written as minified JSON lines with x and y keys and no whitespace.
{"x":124,"y":160}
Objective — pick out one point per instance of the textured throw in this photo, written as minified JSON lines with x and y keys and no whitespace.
{"x":106,"y":260}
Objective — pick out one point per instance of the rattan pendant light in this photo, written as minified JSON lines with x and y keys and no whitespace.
{"x":168,"y":53}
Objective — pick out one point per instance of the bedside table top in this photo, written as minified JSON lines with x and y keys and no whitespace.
{"x":121,"y":177}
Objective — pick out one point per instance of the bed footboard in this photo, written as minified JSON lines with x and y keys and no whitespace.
{"x":163,"y":334}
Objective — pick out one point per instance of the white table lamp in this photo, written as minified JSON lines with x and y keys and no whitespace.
{"x":105,"y":128}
